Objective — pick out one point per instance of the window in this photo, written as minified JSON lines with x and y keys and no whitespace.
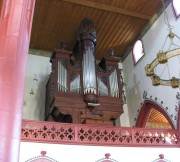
{"x":176,"y":7}
{"x":138,"y":51}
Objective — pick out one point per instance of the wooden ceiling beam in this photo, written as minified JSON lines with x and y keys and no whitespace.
{"x":108,"y":8}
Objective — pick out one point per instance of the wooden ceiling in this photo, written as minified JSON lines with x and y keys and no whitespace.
{"x":117,"y":22}
{"x":157,"y":120}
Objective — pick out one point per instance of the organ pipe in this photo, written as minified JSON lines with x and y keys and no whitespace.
{"x":89,"y":73}
{"x":102,"y":88}
{"x":114,"y":90}
{"x":87,"y":42}
{"x":75,"y":85}
{"x":62,"y":77}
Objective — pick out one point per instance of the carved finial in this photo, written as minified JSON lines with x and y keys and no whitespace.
{"x":107,"y":155}
{"x":31,"y":92}
{"x":87,"y":31}
{"x":62,"y":45}
{"x":43,"y":153}
{"x":111,"y":52}
{"x":161,"y":156}
{"x":87,"y":25}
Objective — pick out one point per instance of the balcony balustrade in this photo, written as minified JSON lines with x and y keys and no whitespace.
{"x":51,"y":132}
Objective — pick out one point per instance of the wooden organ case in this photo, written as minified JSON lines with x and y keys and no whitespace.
{"x":81,"y":91}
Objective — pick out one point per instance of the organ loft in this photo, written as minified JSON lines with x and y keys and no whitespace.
{"x":79,"y":89}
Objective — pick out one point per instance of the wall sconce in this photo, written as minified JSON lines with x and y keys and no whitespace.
{"x":35,"y":78}
{"x":31,"y":92}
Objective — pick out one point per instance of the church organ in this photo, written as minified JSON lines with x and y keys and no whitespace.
{"x":81,"y":91}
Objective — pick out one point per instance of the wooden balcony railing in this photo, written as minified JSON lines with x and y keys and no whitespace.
{"x":51,"y":132}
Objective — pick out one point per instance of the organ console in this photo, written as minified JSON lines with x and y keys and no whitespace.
{"x":81,"y":91}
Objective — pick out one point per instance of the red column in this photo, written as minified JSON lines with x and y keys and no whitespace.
{"x":15,"y":26}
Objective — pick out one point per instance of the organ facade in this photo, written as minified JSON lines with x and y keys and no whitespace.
{"x":79,"y":89}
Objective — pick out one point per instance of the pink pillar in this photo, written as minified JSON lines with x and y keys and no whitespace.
{"x":15,"y":26}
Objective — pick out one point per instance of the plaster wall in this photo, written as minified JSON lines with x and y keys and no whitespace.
{"x":79,"y":153}
{"x":124,"y":118}
{"x":135,"y":76}
{"x":34,"y":105}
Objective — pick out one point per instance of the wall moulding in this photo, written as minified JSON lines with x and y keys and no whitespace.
{"x":40,"y":52}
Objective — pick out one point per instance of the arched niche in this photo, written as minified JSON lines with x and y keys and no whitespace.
{"x":147,"y":109}
{"x":107,"y":159}
{"x":41,"y":158}
{"x":161,"y":159}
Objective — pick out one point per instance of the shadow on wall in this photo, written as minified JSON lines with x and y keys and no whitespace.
{"x":133,"y":100}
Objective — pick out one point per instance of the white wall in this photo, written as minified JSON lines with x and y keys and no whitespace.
{"x":124,"y":118}
{"x":135,"y":76}
{"x":77,"y":153}
{"x":34,"y":105}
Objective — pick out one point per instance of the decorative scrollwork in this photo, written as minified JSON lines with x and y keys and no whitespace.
{"x":102,"y":135}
